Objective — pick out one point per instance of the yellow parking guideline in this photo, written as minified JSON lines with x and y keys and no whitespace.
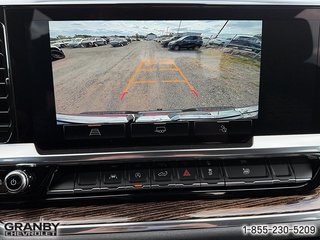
{"x":155,"y":81}
{"x":155,"y":61}
{"x":157,"y":69}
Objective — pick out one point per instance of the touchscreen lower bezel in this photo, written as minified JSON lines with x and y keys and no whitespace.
{"x":36,"y":71}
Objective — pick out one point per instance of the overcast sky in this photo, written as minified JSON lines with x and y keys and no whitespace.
{"x":129,"y":28}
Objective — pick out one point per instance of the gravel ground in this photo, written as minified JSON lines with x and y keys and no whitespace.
{"x":96,"y":79}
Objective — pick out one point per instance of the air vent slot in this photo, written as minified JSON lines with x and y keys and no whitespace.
{"x":5,"y":119}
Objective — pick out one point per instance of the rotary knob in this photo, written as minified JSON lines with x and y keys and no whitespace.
{"x":16,"y":181}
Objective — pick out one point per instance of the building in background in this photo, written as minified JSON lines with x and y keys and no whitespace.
{"x":150,"y":36}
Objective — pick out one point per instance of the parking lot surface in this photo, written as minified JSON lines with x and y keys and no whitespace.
{"x":145,"y":76}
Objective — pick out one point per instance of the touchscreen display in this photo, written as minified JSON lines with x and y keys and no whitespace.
{"x":111,"y":67}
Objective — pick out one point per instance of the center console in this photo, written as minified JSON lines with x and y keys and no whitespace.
{"x":158,"y":99}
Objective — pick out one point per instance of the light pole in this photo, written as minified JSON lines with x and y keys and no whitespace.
{"x":218,"y":32}
{"x":179,"y":27}
{"x":222,"y":28}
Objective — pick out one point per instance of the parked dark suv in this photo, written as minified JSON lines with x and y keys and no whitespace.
{"x":188,"y":42}
{"x":242,"y":42}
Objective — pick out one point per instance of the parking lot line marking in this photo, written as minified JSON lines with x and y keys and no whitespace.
{"x":155,"y":81}
{"x":168,"y":69}
{"x":158,"y":69}
{"x":151,"y":63}
{"x":148,"y":69}
{"x":157,"y":61}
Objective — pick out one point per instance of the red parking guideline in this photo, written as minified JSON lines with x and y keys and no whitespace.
{"x":123,"y":95}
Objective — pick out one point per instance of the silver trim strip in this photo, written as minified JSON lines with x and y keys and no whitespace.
{"x":218,"y":2}
{"x":6,"y":47}
{"x":100,"y":227}
{"x":206,"y":223}
{"x":280,"y":145}
{"x":315,"y":215}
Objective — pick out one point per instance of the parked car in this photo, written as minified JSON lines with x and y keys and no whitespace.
{"x":243,"y":42}
{"x":128,"y":39}
{"x":107,"y":39}
{"x":79,"y":42}
{"x":205,"y":40}
{"x":118,"y":42}
{"x":166,"y":41}
{"x":124,"y":38}
{"x":187,"y":42}
{"x":159,"y":39}
{"x":56,"y":53}
{"x":59,"y":44}
{"x":220,"y":41}
{"x":97,"y":41}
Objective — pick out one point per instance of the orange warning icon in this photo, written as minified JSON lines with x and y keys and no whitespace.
{"x":186,"y":173}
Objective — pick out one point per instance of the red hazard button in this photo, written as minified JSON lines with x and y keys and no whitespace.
{"x":187,"y":173}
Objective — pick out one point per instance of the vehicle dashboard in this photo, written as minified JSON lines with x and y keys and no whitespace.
{"x":162,"y":119}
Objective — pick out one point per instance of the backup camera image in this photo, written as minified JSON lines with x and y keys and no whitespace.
{"x":119,"y":66}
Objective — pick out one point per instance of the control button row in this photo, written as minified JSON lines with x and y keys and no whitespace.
{"x":203,"y":129}
{"x":213,"y":174}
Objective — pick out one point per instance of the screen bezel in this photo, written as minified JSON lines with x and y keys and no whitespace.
{"x":29,"y":55}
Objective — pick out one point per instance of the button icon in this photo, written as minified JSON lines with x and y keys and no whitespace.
{"x":246,"y":171}
{"x":186,"y":173}
{"x":138,"y":175}
{"x":113,"y":177}
{"x":210,"y":172}
{"x":160,"y":129}
{"x":163,"y":174}
{"x":223,"y":129}
{"x":244,"y":162}
{"x":13,"y":182}
{"x":94,"y":132}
